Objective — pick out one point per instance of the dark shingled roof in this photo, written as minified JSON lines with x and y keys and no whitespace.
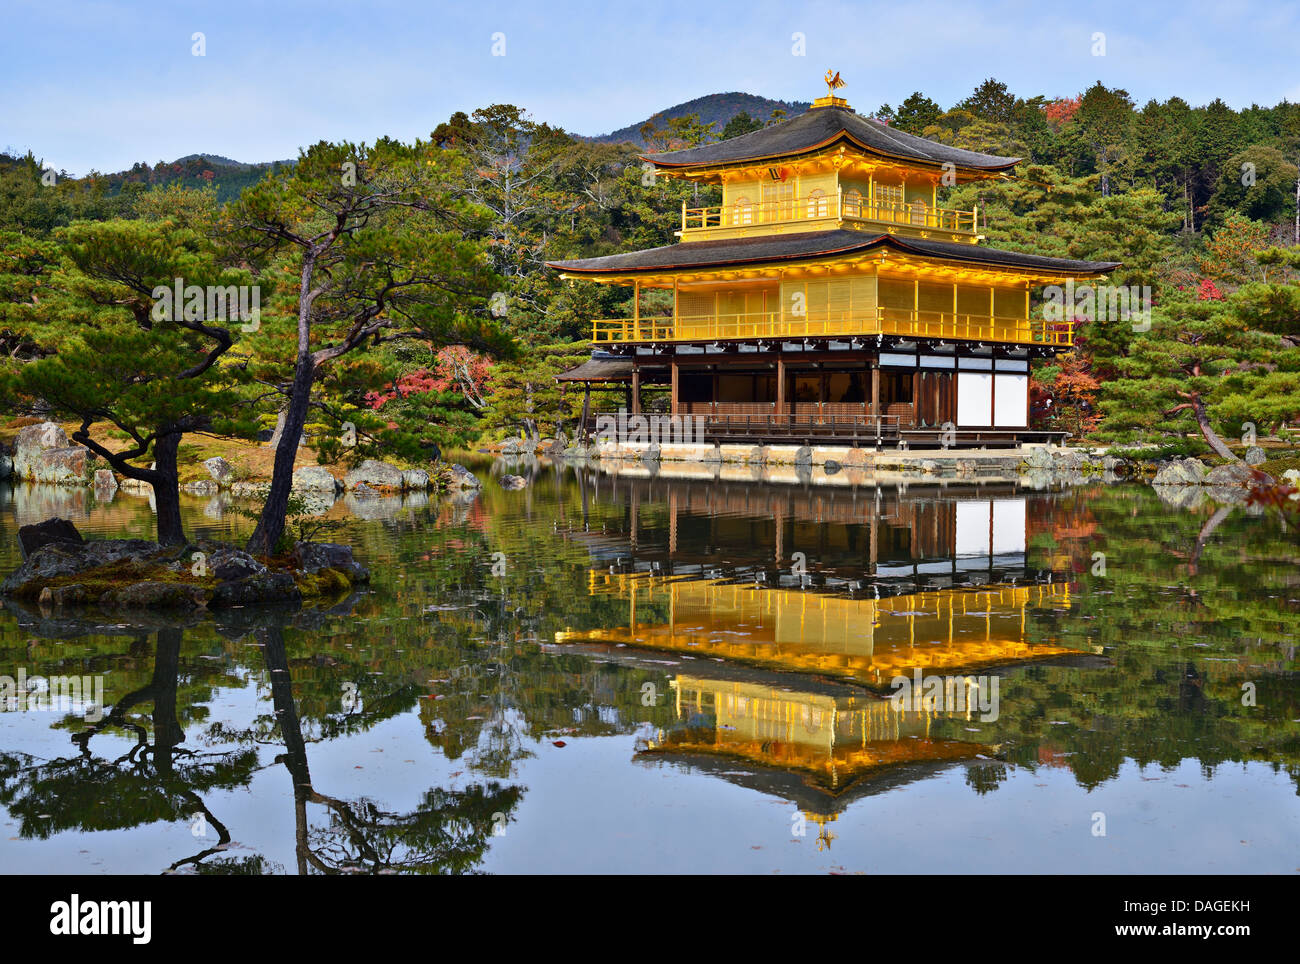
{"x":822,"y":127}
{"x":815,"y":244}
{"x":598,"y":370}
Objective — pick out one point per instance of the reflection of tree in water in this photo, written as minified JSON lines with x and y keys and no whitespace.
{"x":448,"y":833}
{"x":158,"y":779}
{"x":153,"y":781}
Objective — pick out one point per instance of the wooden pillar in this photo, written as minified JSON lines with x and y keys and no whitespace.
{"x":993,"y":394}
{"x":875,"y":387}
{"x":715,"y":389}
{"x":672,"y":365}
{"x":636,"y":388}
{"x":916,"y":398}
{"x":780,"y":384}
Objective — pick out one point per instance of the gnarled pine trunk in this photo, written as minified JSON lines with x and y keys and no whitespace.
{"x":270,"y":525}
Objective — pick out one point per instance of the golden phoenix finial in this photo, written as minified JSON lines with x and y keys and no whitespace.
{"x":833,"y":82}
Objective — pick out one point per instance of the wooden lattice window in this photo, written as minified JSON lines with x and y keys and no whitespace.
{"x":743,"y":211}
{"x":819,"y":205}
{"x":778,"y":200}
{"x":889,"y":196}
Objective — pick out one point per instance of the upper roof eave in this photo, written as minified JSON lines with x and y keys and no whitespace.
{"x":823,"y":127}
{"x":782,"y":249}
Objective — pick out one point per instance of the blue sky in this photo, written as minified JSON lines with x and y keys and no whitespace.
{"x":103,"y":84}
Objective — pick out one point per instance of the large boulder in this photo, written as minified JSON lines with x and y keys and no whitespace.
{"x":264,"y":587}
{"x":415,"y":480}
{"x":1069,"y":460}
{"x":222,"y":472}
{"x":1181,"y":472}
{"x":105,"y":480}
{"x":1232,"y":474}
{"x":803,"y":455}
{"x":312,"y":557}
{"x":228,"y":564}
{"x":42,"y":454}
{"x":510,"y":482}
{"x":250,"y":490}
{"x":59,"y":559}
{"x":374,"y":473}
{"x":33,"y":537}
{"x":1039,"y":459}
{"x":315,"y":478}
{"x":456,"y":476}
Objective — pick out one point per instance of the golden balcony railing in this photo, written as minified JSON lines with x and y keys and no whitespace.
{"x":876,"y":321}
{"x":828,"y":207}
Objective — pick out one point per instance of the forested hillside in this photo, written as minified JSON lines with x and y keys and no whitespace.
{"x":1197,"y":201}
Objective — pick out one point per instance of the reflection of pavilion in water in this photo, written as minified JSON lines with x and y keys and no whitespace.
{"x":785,"y":691}
{"x":850,"y":539}
{"x":865,"y":641}
{"x":822,"y":750}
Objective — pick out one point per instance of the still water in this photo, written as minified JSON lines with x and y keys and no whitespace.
{"x":613,"y":673}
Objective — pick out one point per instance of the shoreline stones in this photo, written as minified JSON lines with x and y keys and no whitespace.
{"x":456,"y":476}
{"x":513,"y":482}
{"x":42,"y":453}
{"x":222,"y":472}
{"x":1181,"y":472}
{"x":61,"y":570}
{"x":315,"y":479}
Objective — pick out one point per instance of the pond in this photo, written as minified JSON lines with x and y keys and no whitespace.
{"x":613,"y":671}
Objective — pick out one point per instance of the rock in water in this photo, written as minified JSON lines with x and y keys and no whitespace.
{"x":105,"y":480}
{"x":1040,"y":459}
{"x":222,"y":472}
{"x":1232,"y":474}
{"x":1255,"y":456}
{"x":42,"y":454}
{"x":510,"y":482}
{"x":315,"y":478}
{"x":459,"y":477}
{"x":312,"y":557}
{"x":374,"y":473}
{"x":33,"y":537}
{"x":1181,"y":472}
{"x":415,"y":480}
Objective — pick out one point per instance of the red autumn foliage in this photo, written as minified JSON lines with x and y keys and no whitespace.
{"x":1061,"y":112}
{"x":1208,"y":291}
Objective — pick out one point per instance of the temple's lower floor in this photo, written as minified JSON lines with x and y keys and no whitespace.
{"x":964,"y":395}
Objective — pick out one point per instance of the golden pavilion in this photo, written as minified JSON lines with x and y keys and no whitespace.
{"x":830,"y":297}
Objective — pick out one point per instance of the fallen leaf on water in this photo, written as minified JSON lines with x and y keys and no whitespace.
{"x":558,"y":743}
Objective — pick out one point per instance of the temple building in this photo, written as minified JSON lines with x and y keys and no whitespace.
{"x":830,"y":297}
